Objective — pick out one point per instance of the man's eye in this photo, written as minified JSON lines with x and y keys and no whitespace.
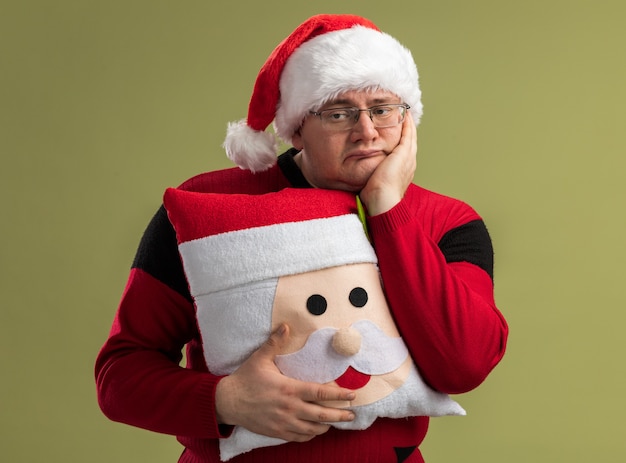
{"x":336,"y":116}
{"x":316,"y":304}
{"x":382,"y":111}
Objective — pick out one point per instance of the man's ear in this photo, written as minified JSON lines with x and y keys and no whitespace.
{"x":296,"y":139}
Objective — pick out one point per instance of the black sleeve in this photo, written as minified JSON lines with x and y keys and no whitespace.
{"x":469,"y":243}
{"x":158,"y":254}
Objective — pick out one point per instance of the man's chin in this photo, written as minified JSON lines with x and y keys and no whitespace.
{"x":357,"y":181}
{"x":363,"y":169}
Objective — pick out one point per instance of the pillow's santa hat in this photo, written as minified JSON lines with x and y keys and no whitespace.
{"x":234,"y":247}
{"x":322,"y":58}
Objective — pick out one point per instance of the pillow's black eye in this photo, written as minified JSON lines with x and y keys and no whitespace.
{"x":316,"y":304}
{"x":358,"y":297}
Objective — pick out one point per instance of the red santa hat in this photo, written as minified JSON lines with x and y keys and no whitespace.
{"x":322,"y":58}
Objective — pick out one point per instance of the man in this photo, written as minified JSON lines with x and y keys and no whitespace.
{"x":346,"y":96}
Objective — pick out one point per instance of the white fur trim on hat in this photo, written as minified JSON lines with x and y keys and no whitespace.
{"x":229,"y":260}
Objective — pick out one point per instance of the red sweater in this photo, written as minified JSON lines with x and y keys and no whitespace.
{"x":436,"y":261}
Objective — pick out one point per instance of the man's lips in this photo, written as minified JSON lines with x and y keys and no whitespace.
{"x":363,"y":154}
{"x":352,"y":379}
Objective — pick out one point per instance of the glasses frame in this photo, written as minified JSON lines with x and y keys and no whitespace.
{"x":357,"y":114}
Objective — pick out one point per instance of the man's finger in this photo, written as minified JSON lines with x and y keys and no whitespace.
{"x":321,"y":414}
{"x":314,"y":392}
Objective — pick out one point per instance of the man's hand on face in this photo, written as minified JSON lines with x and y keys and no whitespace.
{"x":259,"y":398}
{"x":387,"y":185}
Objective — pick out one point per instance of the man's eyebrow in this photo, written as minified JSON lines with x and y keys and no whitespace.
{"x":339,"y":102}
{"x":375,"y":101}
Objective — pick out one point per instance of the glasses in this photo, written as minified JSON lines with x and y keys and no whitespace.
{"x":384,"y":115}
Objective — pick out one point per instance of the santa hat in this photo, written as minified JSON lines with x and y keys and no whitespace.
{"x":322,"y":58}
{"x":234,"y":247}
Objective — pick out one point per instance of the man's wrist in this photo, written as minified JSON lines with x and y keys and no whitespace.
{"x":380,"y":203}
{"x":221,"y":401}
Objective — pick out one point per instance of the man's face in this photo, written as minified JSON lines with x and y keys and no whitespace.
{"x":345,"y":160}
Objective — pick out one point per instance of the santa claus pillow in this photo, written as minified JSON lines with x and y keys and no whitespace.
{"x":301,"y":257}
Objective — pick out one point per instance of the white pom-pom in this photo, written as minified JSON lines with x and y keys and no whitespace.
{"x":250,"y":149}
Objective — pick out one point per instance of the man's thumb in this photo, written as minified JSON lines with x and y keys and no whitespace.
{"x":277,"y":339}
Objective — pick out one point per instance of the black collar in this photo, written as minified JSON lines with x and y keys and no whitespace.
{"x":291,"y":170}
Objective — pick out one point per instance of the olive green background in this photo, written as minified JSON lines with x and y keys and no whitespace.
{"x":104,"y":104}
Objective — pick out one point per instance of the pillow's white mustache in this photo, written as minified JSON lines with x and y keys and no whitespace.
{"x":317,"y":361}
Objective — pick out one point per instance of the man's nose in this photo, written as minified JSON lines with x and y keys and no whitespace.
{"x":364,"y":126}
{"x":347,"y":341}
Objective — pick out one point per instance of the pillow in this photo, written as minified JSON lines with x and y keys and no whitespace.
{"x":301,"y":257}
